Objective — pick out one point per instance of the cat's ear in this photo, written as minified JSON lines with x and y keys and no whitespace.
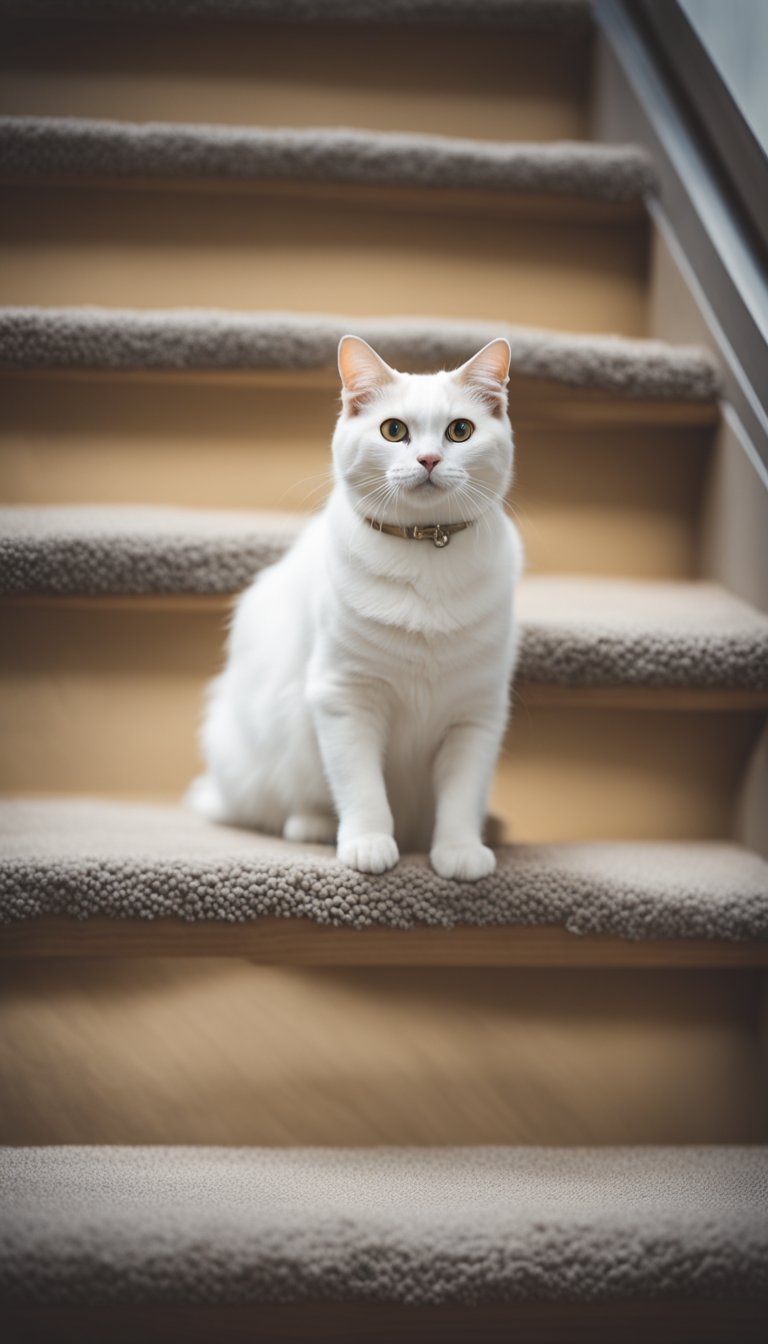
{"x":487,"y":374}
{"x":363,"y":372}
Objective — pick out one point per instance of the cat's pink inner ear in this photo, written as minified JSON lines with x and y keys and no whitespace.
{"x":363,"y":372}
{"x":487,"y":373}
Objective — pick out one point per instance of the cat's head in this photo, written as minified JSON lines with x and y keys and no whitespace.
{"x":419,"y":448}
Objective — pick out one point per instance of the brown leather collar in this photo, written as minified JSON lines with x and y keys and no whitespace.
{"x":438,"y":533}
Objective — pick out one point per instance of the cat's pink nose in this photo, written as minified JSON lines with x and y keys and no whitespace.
{"x":430,"y":462}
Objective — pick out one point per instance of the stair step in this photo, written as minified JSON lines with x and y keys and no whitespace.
{"x":608,"y":631}
{"x":613,"y":436}
{"x":104,"y":696}
{"x":87,"y":877}
{"x":152,"y":550}
{"x":578,"y":632}
{"x":451,"y":1227}
{"x":515,"y":71}
{"x":620,"y":377}
{"x":590,"y":497}
{"x":329,"y":217}
{"x":239,"y":156}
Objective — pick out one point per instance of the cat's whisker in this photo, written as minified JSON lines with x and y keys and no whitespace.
{"x":374,"y":501}
{"x":512,"y":508}
{"x":463,"y":497}
{"x":474,"y":494}
{"x":326,"y":483}
{"x":378,"y":498}
{"x":484,"y":491}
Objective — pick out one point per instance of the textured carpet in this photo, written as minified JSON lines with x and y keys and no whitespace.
{"x":107,"y":338}
{"x":82,"y":857}
{"x":565,"y":15}
{"x":409,"y":1225}
{"x":35,"y":146}
{"x":94,"y":549}
{"x":627,"y":632}
{"x":576,"y":631}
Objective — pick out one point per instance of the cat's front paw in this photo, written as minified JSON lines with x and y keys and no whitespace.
{"x":465,"y":863}
{"x":374,"y":853}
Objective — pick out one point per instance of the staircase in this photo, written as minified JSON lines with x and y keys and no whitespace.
{"x":248,"y":1093}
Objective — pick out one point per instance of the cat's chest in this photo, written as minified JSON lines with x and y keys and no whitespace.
{"x":424,"y":615}
{"x":422,"y":605}
{"x":412,"y":640}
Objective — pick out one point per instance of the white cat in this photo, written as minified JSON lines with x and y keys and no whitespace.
{"x":367,"y":685}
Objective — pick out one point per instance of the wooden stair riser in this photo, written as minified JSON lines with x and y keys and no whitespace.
{"x":589,"y":498}
{"x":469,"y":81}
{"x":298,"y":249}
{"x":676,"y":1321}
{"x":106,"y":697}
{"x":231,"y":1053}
{"x":277,"y":941}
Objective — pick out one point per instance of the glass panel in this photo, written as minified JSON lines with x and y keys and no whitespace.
{"x":735,"y":36}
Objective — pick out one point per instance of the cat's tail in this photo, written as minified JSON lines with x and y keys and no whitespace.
{"x":203,"y":796}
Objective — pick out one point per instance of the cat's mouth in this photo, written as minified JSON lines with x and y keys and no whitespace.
{"x":428,"y":484}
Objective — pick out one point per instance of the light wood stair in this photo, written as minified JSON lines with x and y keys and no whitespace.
{"x":317,"y":218}
{"x":222,"y":1051}
{"x":449,"y":77}
{"x":146,"y":592}
{"x":614,"y":438}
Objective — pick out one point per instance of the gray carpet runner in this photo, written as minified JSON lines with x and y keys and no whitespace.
{"x":407,"y":1225}
{"x":576,"y":631}
{"x":93,"y":548}
{"x":197,"y":339}
{"x":86,"y":857}
{"x":44,"y":146}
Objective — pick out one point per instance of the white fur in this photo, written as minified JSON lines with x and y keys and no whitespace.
{"x":366,"y":690}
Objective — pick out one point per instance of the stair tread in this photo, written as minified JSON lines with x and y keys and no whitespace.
{"x":31,"y":147}
{"x":409,"y":1225}
{"x":581,"y":631}
{"x":89,"y":858}
{"x":178,"y":340}
{"x":577,"y":631}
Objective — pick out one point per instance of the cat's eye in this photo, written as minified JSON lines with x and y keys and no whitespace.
{"x":394,"y":431}
{"x":460,"y":430}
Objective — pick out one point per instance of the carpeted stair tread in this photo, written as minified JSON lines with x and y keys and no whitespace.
{"x":566,"y":16}
{"x":594,"y":631}
{"x":85,"y":858}
{"x":578,"y":631}
{"x":406,"y":1225}
{"x":204,"y":339}
{"x":80,"y":147}
{"x":146,"y":549}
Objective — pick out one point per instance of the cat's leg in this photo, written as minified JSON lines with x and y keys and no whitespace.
{"x":351,"y":731}
{"x":462,"y":775}
{"x":312,"y":828}
{"x":204,"y":797}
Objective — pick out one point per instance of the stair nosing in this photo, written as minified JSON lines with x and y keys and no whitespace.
{"x":113,"y":340}
{"x":578,"y":631}
{"x":89,"y":858}
{"x":34,"y":147}
{"x":408,"y":1225}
